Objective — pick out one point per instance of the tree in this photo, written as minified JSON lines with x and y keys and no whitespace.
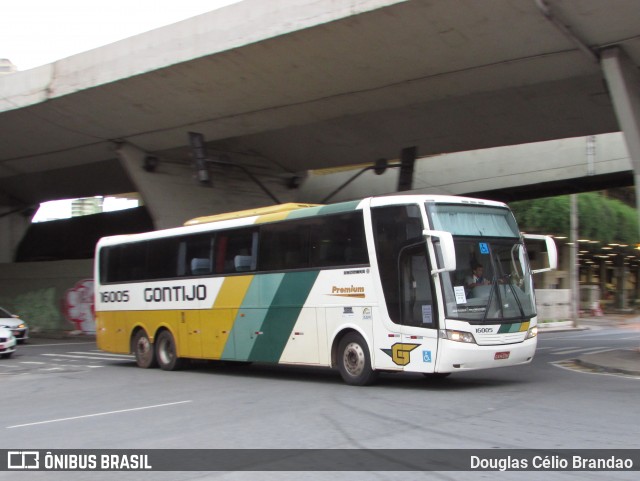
{"x":600,"y":218}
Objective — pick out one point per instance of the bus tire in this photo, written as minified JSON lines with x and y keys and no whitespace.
{"x":354,"y":361}
{"x":166,"y":352}
{"x":144,"y":350}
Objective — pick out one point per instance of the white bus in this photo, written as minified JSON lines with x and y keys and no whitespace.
{"x":382,"y":284}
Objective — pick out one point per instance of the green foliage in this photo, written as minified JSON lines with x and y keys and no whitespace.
{"x":600,"y":218}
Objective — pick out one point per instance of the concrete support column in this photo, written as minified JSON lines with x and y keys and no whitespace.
{"x":621,"y":283}
{"x":13,"y":227}
{"x":623,"y":79}
{"x":603,"y":280}
{"x":173,"y":195}
{"x":588,"y":275}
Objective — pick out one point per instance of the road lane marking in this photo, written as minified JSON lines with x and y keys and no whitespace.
{"x":97,"y":414}
{"x":582,"y":349}
{"x":97,"y":352}
{"x":29,"y":346}
{"x":572,"y":365}
{"x":568,"y":347}
{"x":93,"y":357}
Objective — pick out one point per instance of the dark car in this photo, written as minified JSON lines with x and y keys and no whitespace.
{"x":16,"y":325}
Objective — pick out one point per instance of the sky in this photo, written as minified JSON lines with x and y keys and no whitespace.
{"x":61,"y":209}
{"x":38,"y":32}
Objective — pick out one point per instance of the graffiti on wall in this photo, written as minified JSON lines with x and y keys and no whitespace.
{"x":78,"y":306}
{"x":39,"y":308}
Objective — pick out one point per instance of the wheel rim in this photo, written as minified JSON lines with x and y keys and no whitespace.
{"x":354,"y":359}
{"x":144,"y":349}
{"x":165,"y":352}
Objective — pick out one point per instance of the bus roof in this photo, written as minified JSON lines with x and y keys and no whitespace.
{"x":287,"y":211}
{"x":272,"y":209}
{"x":291,"y":206}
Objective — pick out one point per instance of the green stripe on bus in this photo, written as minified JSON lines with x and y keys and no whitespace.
{"x":302,"y":213}
{"x":506,"y":328}
{"x":282,"y":315}
{"x":340,"y":207}
{"x":324,"y":210}
{"x":251,"y":316}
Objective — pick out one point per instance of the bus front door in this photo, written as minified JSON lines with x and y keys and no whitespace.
{"x":418,"y":314}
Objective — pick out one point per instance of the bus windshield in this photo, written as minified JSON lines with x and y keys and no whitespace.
{"x":492,"y":281}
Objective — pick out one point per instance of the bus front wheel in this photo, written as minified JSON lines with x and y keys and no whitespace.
{"x":166,"y":353}
{"x":354,"y":361}
{"x":143,"y":350}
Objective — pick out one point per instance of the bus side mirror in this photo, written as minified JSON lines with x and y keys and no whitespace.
{"x":552,"y":252}
{"x":447,"y":250}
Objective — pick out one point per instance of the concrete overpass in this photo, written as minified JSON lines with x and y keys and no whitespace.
{"x":286,"y":87}
{"x":509,"y":173}
{"x":280,"y":88}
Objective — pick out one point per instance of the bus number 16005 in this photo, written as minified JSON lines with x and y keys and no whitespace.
{"x":114,"y":296}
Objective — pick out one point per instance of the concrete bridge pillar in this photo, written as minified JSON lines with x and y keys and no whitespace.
{"x":173,"y":193}
{"x":13,"y":226}
{"x":623,"y":79}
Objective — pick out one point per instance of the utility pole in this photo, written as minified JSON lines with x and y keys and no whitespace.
{"x":574,"y":268}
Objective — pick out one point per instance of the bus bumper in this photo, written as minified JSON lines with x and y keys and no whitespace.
{"x":459,"y":356}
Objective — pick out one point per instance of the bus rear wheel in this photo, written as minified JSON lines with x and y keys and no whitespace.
{"x":143,"y":350}
{"x":354,"y":361}
{"x":166,"y":352}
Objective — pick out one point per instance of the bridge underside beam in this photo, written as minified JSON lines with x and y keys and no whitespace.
{"x":516,"y":172}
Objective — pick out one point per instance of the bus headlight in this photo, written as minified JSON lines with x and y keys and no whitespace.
{"x":533,"y":332}
{"x":458,"y":336}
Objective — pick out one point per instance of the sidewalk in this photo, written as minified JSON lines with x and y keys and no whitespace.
{"x":57,"y":337}
{"x":621,"y":361}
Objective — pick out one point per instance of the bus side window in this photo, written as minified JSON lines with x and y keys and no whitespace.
{"x":285,"y":246}
{"x":237,"y":251}
{"x":200,"y":266}
{"x":196,"y":255}
{"x":338,"y":240}
{"x":162,"y":258}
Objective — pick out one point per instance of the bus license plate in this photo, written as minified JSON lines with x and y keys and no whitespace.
{"x":501,"y":355}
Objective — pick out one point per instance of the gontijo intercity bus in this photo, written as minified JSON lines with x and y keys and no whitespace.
{"x":369,"y":286}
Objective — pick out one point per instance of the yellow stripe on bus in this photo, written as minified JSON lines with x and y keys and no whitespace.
{"x":217,"y":323}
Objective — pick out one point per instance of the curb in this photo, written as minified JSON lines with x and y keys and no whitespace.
{"x":621,"y":361}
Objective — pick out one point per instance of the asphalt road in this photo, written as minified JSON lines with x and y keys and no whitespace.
{"x":69,"y":395}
